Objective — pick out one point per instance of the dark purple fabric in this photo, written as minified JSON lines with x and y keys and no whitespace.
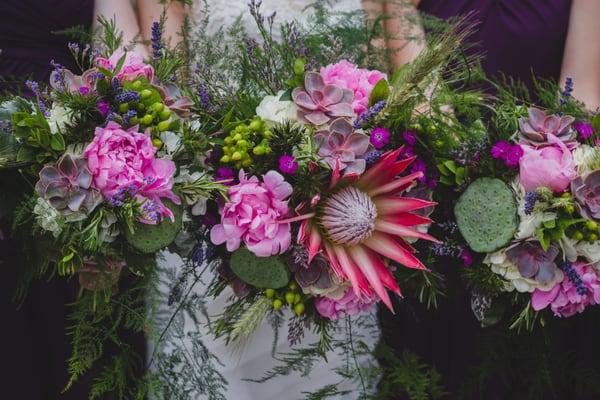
{"x":517,"y":37}
{"x":26,"y":37}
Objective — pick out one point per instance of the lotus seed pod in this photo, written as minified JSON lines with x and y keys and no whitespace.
{"x":486,"y":215}
{"x":151,"y":238}
{"x":260,"y":272}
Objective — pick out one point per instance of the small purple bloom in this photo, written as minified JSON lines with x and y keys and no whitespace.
{"x":584,"y":129}
{"x":103,"y":108}
{"x":224,"y":174}
{"x":466,"y":257}
{"x":380,"y":137}
{"x":84,"y":90}
{"x":419,"y":166}
{"x":407,"y":151}
{"x":513,"y":156}
{"x":500,"y":149}
{"x":410,"y":137}
{"x":288,"y":164}
{"x":373,"y":156}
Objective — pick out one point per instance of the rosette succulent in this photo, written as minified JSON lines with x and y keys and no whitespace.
{"x":67,"y":186}
{"x":341,"y":144}
{"x":536,"y":128}
{"x":318,"y":103}
{"x":533,"y":262}
{"x":587,"y":193}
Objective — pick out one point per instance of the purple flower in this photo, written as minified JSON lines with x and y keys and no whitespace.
{"x":288,"y":164}
{"x":410,"y":137}
{"x":466,"y":257}
{"x":84,"y":90}
{"x":500,"y":149}
{"x":419,"y":166}
{"x":533,"y":262}
{"x":380,"y":137}
{"x":510,"y":154}
{"x":584,"y":129}
{"x":103,"y":107}
{"x":406,"y":152}
{"x":373,"y":156}
{"x":156,"y":40}
{"x":224,"y":174}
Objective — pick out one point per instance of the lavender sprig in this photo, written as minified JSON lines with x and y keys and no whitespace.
{"x":156,"y":40}
{"x":366,"y":117}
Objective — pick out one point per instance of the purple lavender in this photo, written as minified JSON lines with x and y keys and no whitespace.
{"x":367,"y":116}
{"x":33,"y":86}
{"x":116,"y":85}
{"x":573,"y":276}
{"x":128,"y":115}
{"x":74,"y":47}
{"x":567,"y":91}
{"x":530,"y":199}
{"x":204,"y":98}
{"x":127,"y":97}
{"x":156,"y":40}
{"x":373,"y":156}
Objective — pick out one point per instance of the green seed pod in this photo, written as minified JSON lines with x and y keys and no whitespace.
{"x":277,"y":304}
{"x":164,"y":126}
{"x":147,"y":120}
{"x":299,"y":309}
{"x":146,"y":93}
{"x":123,"y":108}
{"x":289,"y":297}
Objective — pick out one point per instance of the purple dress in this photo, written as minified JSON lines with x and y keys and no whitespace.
{"x":34,"y":346}
{"x":518,"y":38}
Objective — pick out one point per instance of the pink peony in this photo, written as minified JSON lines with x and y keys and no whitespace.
{"x":551,"y":166}
{"x":349,"y":304}
{"x":124,"y":160}
{"x":568,"y":298}
{"x":253,"y":215}
{"x":133,"y":67}
{"x":348,"y":76}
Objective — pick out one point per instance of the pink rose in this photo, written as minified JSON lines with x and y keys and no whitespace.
{"x":567,"y":298}
{"x":253,"y":215}
{"x":551,"y":166}
{"x":348,"y":76}
{"x":122,"y":160}
{"x":349,"y":304}
{"x":132,"y":68}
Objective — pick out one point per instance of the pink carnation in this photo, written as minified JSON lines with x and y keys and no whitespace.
{"x":348,"y":76}
{"x":551,"y":166}
{"x":124,"y":160}
{"x":253,"y":215}
{"x":133,"y":67}
{"x":566,"y":298}
{"x":349,"y":304}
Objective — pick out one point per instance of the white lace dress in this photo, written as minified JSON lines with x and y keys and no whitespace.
{"x":256,"y":357}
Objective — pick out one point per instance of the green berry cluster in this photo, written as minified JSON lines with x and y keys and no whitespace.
{"x":588,"y":231}
{"x":246,"y":141}
{"x":291,"y":297}
{"x":150,"y":110}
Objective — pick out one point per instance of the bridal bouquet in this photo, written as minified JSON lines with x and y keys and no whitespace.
{"x":530,"y":210}
{"x":329,"y":184}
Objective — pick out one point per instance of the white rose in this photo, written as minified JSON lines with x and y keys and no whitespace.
{"x":275,"y":111}
{"x":171,"y":141}
{"x":58,"y":119}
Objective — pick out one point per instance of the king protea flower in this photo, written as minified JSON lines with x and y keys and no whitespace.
{"x":362,"y":223}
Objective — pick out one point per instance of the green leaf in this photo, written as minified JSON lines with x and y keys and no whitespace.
{"x":26,"y":154}
{"x":550,"y":224}
{"x":460,"y":175}
{"x":450,"y":165}
{"x":380,"y":92}
{"x":105,"y":72}
{"x":120,"y":63}
{"x":57,"y":142}
{"x":443,"y":170}
{"x":596,"y":122}
{"x":286,"y":96}
{"x":400,"y":72}
{"x":299,"y":66}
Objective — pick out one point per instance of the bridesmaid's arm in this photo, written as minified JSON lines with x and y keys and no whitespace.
{"x":126,"y":21}
{"x":150,"y":11}
{"x":581,"y":60}
{"x":403,"y":24}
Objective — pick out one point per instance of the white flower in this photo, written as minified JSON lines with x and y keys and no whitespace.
{"x":171,"y":144}
{"x":528,"y":223}
{"x":586,"y":158}
{"x":591,"y":251}
{"x":275,"y":111}
{"x":59,"y":118}
{"x":198,"y":201}
{"x":500,"y":265}
{"x":47,"y":217}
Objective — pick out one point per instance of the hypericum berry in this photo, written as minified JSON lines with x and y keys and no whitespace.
{"x":289,"y":297}
{"x":277,"y":304}
{"x":270,"y":293}
{"x":299,"y":309}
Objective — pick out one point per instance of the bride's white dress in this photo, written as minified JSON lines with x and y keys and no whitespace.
{"x":256,"y":357}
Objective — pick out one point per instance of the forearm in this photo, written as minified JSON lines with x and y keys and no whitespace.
{"x":581,"y":59}
{"x":406,"y":34}
{"x":150,"y":11}
{"x":123,"y":13}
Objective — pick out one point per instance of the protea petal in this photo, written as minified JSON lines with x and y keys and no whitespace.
{"x":396,"y":227}
{"x":396,"y":185}
{"x":393,"y":169}
{"x":376,"y":170}
{"x":371,"y":272}
{"x":407,"y":219}
{"x":394,"y":205}
{"x":331,"y":256}
{"x":314,"y":243}
{"x":354,"y":274}
{"x":387,"y":278}
{"x":385,"y":245}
